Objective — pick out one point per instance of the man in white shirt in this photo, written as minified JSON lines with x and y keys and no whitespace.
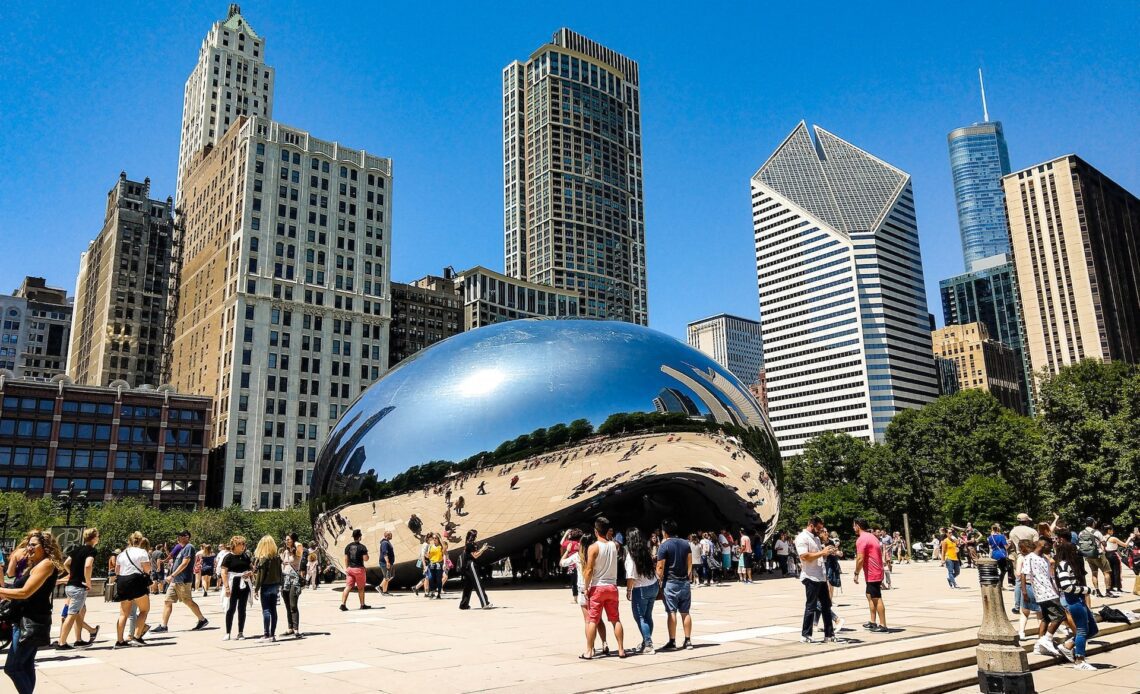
{"x":814,"y":578}
{"x":782,"y":548}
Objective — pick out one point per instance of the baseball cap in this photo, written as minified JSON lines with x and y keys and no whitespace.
{"x":1024,"y":517}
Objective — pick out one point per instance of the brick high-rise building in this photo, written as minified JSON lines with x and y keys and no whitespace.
{"x":123,"y":290}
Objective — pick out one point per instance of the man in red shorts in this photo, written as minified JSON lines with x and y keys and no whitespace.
{"x":600,"y":579}
{"x":355,"y":554}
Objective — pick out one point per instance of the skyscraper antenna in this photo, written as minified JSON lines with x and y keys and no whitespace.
{"x":985,"y":110}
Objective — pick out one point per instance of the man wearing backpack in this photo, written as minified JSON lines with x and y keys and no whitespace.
{"x":1090,"y":543}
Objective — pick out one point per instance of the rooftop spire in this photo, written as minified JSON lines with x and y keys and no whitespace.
{"x":985,"y":110}
{"x":234,"y":9}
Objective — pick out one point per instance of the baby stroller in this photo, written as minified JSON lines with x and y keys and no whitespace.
{"x":920,"y":552}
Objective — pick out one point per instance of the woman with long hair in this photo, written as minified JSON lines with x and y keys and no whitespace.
{"x":641,"y":586}
{"x":206,"y":570}
{"x":577,"y":560}
{"x":291,"y":586}
{"x":267,"y":578}
{"x":33,"y":592}
{"x":434,"y":561}
{"x":1026,"y":607}
{"x":469,"y":570}
{"x":237,"y":569}
{"x":1070,"y":572}
{"x":133,"y":593}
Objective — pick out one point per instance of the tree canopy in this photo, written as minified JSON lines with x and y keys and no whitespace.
{"x":964,"y":457}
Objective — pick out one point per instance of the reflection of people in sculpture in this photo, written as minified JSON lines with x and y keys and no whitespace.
{"x":459,"y":504}
{"x":514,"y":481}
{"x":482,"y":488}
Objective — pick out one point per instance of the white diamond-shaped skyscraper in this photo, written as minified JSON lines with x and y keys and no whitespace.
{"x":843,"y":307}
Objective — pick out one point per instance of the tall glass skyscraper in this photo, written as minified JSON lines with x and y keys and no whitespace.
{"x":978,"y":160}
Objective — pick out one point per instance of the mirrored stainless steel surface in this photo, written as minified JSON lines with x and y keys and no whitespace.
{"x":522,"y":429}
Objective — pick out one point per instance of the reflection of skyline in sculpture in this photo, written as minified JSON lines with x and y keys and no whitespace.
{"x":673,"y":400}
{"x":529,"y":399}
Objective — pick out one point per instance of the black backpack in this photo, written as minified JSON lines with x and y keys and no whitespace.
{"x":1087,"y":545}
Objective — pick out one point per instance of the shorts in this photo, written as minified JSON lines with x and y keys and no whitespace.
{"x":354,"y":578}
{"x":157,"y":576}
{"x":76,"y":597}
{"x":746,"y":560}
{"x":1097,"y":563}
{"x":678,"y":596}
{"x":1052,"y":610}
{"x":387,"y":572}
{"x":603,"y":597}
{"x":875,"y":589}
{"x":208,"y":573}
{"x":179,"y":592}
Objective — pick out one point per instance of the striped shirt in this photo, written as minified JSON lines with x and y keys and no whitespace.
{"x":1067,"y":579}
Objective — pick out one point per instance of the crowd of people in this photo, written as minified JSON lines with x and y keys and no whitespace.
{"x":270,"y":573}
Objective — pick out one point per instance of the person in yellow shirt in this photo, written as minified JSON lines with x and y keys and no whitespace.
{"x":950,"y":557}
{"x":435,"y":555}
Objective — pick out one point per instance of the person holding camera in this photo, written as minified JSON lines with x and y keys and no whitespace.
{"x":812,"y":555}
{"x":470,"y":572}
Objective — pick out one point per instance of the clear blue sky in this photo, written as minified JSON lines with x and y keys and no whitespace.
{"x":89,"y":89}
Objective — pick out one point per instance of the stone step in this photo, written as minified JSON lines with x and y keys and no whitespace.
{"x":837,"y":671}
{"x":1111,"y":636}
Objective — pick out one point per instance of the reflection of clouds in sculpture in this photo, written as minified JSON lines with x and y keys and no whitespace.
{"x":526,"y":399}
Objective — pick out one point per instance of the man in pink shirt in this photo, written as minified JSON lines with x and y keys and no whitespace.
{"x":869,"y":558}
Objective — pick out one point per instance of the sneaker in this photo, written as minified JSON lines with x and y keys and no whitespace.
{"x":121,"y":644}
{"x":806,"y":639}
{"x":64,"y":647}
{"x":1013,"y":611}
{"x":82,"y":644}
{"x":1021,"y":636}
{"x":870,"y":626}
{"x":832,"y":639}
{"x":343,"y":608}
{"x":160,"y":629}
{"x":226,"y":637}
{"x":670,"y":646}
{"x":840,"y":623}
{"x":1068,"y":653}
{"x":1084,"y":665}
{"x":366,"y":607}
{"x":879,"y":629}
{"x":240,"y":636}
{"x":1048,"y":646}
{"x":488,"y":606}
{"x":687,"y":645}
{"x":647,"y":649}
{"x":201,"y":624}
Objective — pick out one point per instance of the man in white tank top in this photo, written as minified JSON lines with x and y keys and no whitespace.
{"x":600,"y":579}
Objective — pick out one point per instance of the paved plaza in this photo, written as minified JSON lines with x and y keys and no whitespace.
{"x":529,"y":642}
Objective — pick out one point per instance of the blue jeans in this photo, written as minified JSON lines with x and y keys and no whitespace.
{"x":269,"y":595}
{"x":1085,"y":622}
{"x":953,"y":568}
{"x":21,"y":664}
{"x":642,"y":603}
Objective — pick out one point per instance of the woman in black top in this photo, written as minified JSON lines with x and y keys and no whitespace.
{"x":470,"y":572}
{"x":33,"y":630}
{"x":236,"y":574}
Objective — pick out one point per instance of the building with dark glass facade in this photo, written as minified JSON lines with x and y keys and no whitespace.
{"x":111,"y":443}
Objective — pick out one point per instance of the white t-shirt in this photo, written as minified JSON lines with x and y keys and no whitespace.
{"x":811,"y":570}
{"x":605,"y":565}
{"x":781,"y":548}
{"x":695,"y":550}
{"x":706,"y":547}
{"x":123,"y":566}
{"x":1036,"y":568}
{"x":639,"y":581}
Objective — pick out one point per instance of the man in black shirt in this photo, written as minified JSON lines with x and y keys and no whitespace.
{"x":79,"y":564}
{"x":355,"y":555}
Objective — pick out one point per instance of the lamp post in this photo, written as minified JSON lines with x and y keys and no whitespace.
{"x":70,"y":499}
{"x":1002,"y":665}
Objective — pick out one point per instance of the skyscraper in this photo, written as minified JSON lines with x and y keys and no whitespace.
{"x":978,"y":160}
{"x":573,"y":200}
{"x":285,"y":305}
{"x":230,"y":79}
{"x":842,"y":302}
{"x":732,"y":341}
{"x":122,"y":291}
{"x":1076,"y":245}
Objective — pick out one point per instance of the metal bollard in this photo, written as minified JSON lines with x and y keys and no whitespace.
{"x":1002,"y":665}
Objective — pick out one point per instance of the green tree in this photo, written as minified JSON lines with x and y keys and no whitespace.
{"x":979,"y":499}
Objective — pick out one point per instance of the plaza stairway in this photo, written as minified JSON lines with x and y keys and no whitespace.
{"x":931,"y":663}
